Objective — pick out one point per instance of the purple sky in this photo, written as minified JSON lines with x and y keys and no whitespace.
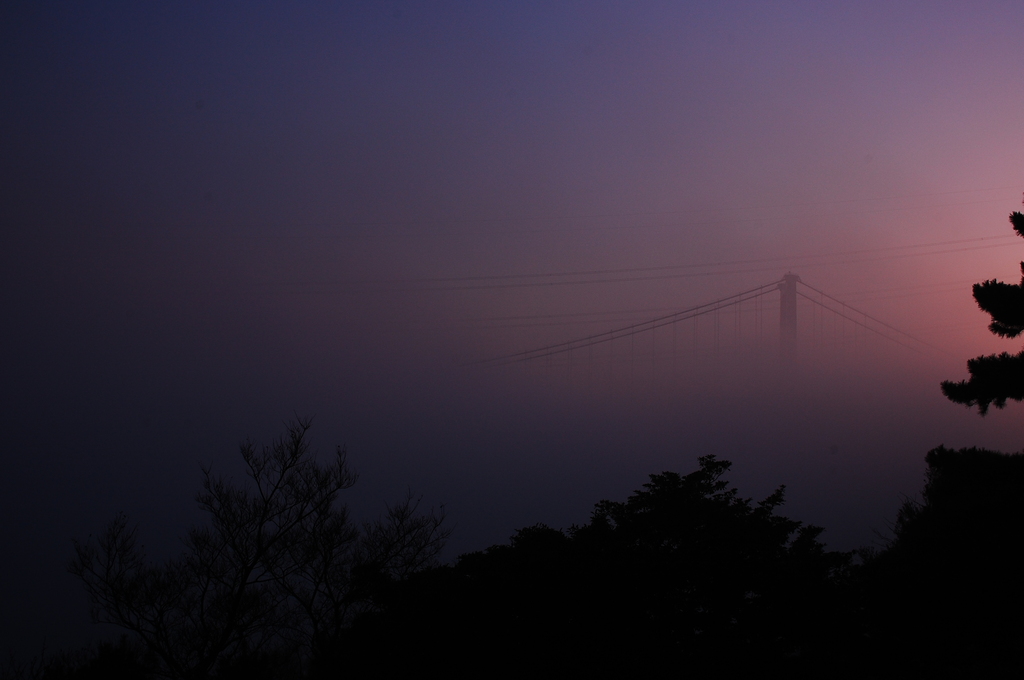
{"x":215,"y":218}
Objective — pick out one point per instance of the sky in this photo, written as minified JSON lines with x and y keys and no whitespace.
{"x":218,"y":217}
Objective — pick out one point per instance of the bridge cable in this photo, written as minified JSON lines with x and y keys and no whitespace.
{"x":866,"y":316}
{"x":633,"y":329}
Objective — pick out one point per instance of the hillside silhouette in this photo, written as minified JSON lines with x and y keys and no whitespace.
{"x":685,"y":574}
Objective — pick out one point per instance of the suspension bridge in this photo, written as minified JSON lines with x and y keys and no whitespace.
{"x":790,"y":289}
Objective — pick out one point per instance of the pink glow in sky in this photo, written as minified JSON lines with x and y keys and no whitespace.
{"x":216,"y":217}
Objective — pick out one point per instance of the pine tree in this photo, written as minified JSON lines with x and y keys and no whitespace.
{"x":996,"y":377}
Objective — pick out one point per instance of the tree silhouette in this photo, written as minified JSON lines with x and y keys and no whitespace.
{"x":996,"y":377}
{"x":946,"y":594}
{"x":270,"y":573}
{"x":684,"y":573}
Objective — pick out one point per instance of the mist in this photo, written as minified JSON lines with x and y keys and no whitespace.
{"x":218,"y":219}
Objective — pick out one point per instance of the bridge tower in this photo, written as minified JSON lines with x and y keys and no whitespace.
{"x":787,"y":318}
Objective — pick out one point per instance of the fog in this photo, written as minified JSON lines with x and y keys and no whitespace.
{"x":217,"y":220}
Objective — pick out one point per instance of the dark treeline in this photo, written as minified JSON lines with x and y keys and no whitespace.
{"x":683,"y":574}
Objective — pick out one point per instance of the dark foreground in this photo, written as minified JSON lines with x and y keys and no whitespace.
{"x":684,"y":577}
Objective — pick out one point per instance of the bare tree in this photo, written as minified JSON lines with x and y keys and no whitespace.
{"x":270,"y":570}
{"x":403,"y":540}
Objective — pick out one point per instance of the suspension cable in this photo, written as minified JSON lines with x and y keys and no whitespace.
{"x":633,"y":329}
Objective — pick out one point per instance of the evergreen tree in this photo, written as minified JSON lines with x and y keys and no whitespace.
{"x":684,"y":574}
{"x":996,"y":377}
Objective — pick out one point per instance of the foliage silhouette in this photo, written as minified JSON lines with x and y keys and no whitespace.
{"x":124,"y":659}
{"x":946,"y":593}
{"x":269,"y":578}
{"x":684,"y":574}
{"x":684,"y":571}
{"x":996,"y":377}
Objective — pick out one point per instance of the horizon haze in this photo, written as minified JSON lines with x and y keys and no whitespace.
{"x":218,"y":218}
